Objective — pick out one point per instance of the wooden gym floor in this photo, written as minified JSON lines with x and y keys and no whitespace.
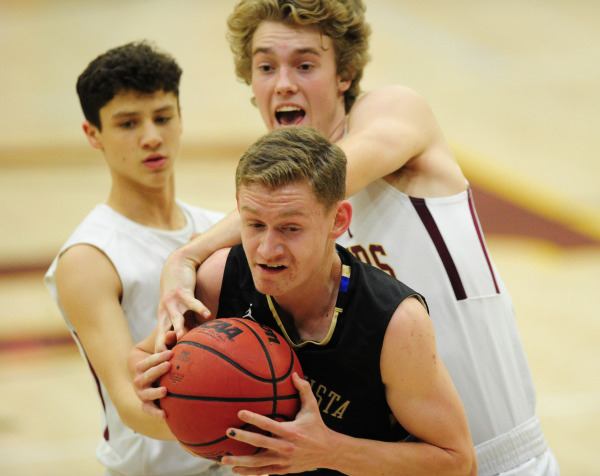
{"x":515,"y":85}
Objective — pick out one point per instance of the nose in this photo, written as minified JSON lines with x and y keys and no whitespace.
{"x":270,"y":247}
{"x":285,"y":82}
{"x":151,"y":137}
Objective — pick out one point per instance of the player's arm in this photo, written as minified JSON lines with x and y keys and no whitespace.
{"x":89,"y":290}
{"x":421,"y":396}
{"x":423,"y":399}
{"x":178,"y":278}
{"x":392,"y":128}
{"x":147,"y":366}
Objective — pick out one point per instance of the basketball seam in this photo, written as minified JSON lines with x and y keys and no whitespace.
{"x":269,"y":360}
{"x":182,"y":396}
{"x":235,"y":364}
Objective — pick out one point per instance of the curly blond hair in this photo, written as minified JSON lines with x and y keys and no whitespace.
{"x":341,"y":20}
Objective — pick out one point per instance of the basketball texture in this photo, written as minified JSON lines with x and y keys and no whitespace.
{"x":221,"y":367}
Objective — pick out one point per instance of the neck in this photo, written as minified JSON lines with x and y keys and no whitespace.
{"x":339,"y":130}
{"x":155,"y":208}
{"x":308,"y":316}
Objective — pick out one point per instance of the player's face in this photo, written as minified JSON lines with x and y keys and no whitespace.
{"x":140,"y":137}
{"x":287,"y":238}
{"x":295,"y":80}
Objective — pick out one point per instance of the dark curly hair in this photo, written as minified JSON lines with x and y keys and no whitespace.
{"x":341,"y":20}
{"x":136,"y":66}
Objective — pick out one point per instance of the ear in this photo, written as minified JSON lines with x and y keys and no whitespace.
{"x":343,"y":216}
{"x":93,"y":134}
{"x":343,"y":84}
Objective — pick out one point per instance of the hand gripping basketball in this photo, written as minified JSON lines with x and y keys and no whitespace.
{"x":219,"y":368}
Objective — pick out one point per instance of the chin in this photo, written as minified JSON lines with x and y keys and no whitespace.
{"x":264,"y":287}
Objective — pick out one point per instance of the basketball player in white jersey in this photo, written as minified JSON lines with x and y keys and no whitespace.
{"x":105,"y":278}
{"x":414,"y":215}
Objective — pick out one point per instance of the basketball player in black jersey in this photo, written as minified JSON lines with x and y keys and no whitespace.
{"x":377,"y":399}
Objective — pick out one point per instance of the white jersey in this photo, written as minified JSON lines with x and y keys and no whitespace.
{"x":138,"y":254}
{"x":436,"y":247}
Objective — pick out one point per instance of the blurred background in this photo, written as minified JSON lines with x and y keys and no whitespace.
{"x":515,"y":85}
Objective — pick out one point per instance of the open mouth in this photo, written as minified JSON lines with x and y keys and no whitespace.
{"x":289,"y":115}
{"x":271,"y":268}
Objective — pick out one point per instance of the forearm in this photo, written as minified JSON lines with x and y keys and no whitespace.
{"x":306,"y":443}
{"x":355,"y":456}
{"x":129,"y":405}
{"x":178,"y":278}
{"x":224,"y":234}
{"x":131,"y":414}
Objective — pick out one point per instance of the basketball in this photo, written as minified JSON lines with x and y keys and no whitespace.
{"x":221,"y":367}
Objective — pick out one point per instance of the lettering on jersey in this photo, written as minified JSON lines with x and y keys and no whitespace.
{"x":225,"y":328}
{"x":330,"y":402}
{"x":372,"y":257}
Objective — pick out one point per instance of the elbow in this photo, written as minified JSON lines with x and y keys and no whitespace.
{"x":466,"y":463}
{"x":129,"y":422}
{"x":136,"y":421}
{"x":474,"y":469}
{"x":460,"y":463}
{"x":129,"y":414}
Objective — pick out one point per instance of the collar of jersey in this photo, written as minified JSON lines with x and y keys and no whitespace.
{"x":337,"y":310}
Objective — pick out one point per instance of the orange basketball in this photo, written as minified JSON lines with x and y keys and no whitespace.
{"x":219,"y":368}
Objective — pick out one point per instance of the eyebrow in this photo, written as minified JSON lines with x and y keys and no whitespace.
{"x":289,"y":213}
{"x":299,"y":51}
{"x":121,"y":114}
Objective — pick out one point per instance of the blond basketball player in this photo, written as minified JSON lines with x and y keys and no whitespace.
{"x":414,"y":215}
{"x":379,"y":401}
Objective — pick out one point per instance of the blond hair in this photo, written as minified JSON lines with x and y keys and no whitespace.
{"x":341,"y":20}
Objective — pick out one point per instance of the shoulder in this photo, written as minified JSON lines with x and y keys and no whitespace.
{"x":393,"y":91}
{"x":394,"y":121}
{"x":83,"y":256}
{"x":86,"y":249}
{"x":83,"y":266}
{"x":103,"y":236}
{"x":217,"y":259}
{"x":209,"y":279}
{"x":213,"y":268}
{"x":393,"y":114}
{"x":411,"y":314}
{"x":410,"y":334}
{"x":400,"y":128}
{"x":389,"y":96}
{"x":98,"y":228}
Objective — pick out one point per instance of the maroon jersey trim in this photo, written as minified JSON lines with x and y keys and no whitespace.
{"x":440,"y":246}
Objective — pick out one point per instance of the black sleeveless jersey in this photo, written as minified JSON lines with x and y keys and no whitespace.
{"x":344,"y":369}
